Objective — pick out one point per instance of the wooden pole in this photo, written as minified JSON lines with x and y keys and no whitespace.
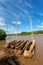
{"x":31,"y":26}
{"x":12,"y":32}
{"x":16,"y":30}
{"x":7,"y":29}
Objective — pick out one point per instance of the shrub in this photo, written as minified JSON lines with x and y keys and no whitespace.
{"x":2,"y":34}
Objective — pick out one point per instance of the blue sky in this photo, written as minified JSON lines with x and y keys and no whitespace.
{"x":23,"y":12}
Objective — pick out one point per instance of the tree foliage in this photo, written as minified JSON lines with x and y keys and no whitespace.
{"x":2,"y":34}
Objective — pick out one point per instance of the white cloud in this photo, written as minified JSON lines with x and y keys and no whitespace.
{"x":25,"y":11}
{"x":2,"y":21}
{"x":28,"y":4}
{"x":10,"y":9}
{"x":14,"y":22}
{"x":3,"y":0}
{"x":21,"y":14}
{"x":40,"y":26}
{"x":2,"y":13}
{"x":38,"y":21}
{"x":42,"y":23}
{"x":18,"y":22}
{"x":2,"y":24}
{"x":20,"y":1}
{"x":41,"y":14}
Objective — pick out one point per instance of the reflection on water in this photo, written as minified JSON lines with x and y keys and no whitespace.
{"x":7,"y":39}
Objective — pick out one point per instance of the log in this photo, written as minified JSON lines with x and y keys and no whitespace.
{"x":28,"y":45}
{"x":32,"y":45}
{"x":21,"y":45}
{"x":8,"y":45}
{"x":20,"y":51}
{"x":29,"y":51}
{"x":13,"y":45}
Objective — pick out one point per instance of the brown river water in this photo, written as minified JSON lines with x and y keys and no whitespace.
{"x":39,"y":49}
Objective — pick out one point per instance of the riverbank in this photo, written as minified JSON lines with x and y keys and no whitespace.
{"x":26,"y":35}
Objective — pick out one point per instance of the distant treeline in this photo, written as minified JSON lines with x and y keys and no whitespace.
{"x":29,"y":33}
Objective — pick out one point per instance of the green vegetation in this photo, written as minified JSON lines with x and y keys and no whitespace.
{"x":29,"y":33}
{"x":38,"y":32}
{"x":25,"y":33}
{"x":34,"y":32}
{"x":2,"y":34}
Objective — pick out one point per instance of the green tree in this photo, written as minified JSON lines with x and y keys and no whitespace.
{"x":2,"y":34}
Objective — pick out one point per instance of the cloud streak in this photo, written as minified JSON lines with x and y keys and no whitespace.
{"x":39,"y":13}
{"x":9,"y":10}
{"x":42,"y":23}
{"x":40,"y":26}
{"x":29,"y":5}
{"x":18,"y":22}
{"x":2,"y":22}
